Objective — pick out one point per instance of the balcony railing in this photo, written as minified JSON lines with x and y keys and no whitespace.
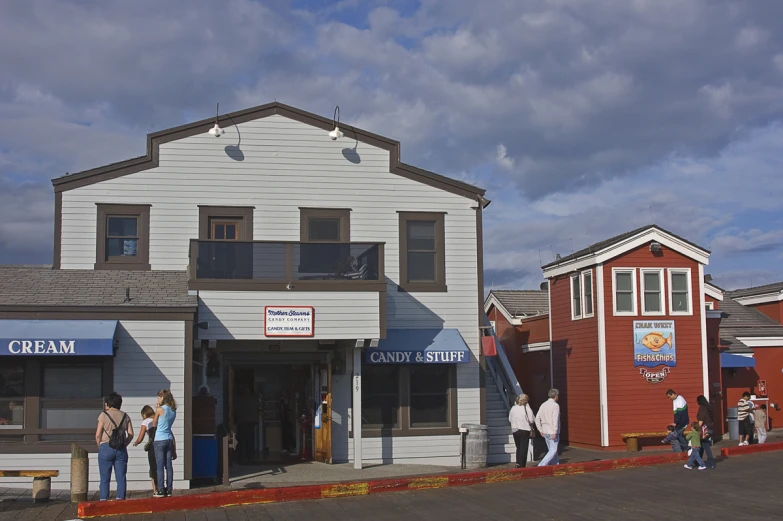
{"x":272,"y":266}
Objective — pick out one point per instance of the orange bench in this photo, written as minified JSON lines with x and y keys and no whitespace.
{"x":631,"y":439}
{"x":42,"y":481}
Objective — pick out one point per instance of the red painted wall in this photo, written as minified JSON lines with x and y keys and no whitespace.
{"x":769,"y":362}
{"x":773,"y":310}
{"x":575,"y":364}
{"x":533,"y":330}
{"x":634,"y":404}
{"x":715,"y":302}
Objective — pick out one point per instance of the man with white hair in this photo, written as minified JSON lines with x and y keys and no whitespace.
{"x":548,"y":424}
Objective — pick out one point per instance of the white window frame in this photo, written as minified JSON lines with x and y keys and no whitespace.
{"x":576,"y":314}
{"x":709,"y":305}
{"x":634,"y":293}
{"x":585,"y":314}
{"x":687,"y":273}
{"x":661,"y":290}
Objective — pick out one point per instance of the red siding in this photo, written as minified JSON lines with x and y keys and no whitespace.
{"x":634,"y":404}
{"x":773,"y":310}
{"x":533,"y":330}
{"x":769,"y":363}
{"x":575,"y":363}
{"x":715,"y":302}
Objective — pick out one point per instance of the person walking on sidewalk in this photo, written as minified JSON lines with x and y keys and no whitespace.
{"x":706,"y":424}
{"x":760,"y":418}
{"x":681,"y":420}
{"x":694,"y":437}
{"x":522,"y":422}
{"x":548,"y":424}
{"x":744,"y":412}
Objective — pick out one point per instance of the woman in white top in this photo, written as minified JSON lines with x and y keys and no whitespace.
{"x":522,"y":420}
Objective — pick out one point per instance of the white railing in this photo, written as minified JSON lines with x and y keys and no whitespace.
{"x":501,"y":369}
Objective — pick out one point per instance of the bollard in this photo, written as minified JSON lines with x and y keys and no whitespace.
{"x":80,"y":473}
{"x":42,"y":489}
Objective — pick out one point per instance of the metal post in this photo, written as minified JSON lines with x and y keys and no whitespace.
{"x":80,"y":473}
{"x":357,"y":408}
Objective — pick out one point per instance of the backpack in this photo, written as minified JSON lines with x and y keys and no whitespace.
{"x":117,"y":438}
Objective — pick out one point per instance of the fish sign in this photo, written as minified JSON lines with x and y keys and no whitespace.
{"x":653,"y":344}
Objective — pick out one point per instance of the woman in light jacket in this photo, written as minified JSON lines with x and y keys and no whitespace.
{"x":522,"y":421}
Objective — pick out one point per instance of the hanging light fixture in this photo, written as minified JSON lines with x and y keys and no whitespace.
{"x":216,"y":130}
{"x":336,"y":133}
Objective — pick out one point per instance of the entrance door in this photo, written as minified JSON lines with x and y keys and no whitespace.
{"x":323,"y":436}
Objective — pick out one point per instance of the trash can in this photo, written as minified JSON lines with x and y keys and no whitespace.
{"x":205,"y":456}
{"x":476,"y":445}
{"x":732,"y":419}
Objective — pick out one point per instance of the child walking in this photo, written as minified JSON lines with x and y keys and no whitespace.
{"x":147,"y":416}
{"x":694,"y":437}
{"x":672,"y":436}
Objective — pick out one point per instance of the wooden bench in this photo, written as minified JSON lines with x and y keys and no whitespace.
{"x":42,"y":481}
{"x":632,"y":439}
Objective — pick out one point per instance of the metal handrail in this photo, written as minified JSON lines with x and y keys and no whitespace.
{"x":501,"y":370}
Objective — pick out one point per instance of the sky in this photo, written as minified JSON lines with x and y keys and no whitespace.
{"x":582,"y":119}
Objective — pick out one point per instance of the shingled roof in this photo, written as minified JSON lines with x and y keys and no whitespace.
{"x":42,"y":286}
{"x":602,"y":245}
{"x":775,"y":287}
{"x":521,"y":303}
{"x":744,"y":321}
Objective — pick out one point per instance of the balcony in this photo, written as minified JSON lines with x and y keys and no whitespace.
{"x":286,"y":266}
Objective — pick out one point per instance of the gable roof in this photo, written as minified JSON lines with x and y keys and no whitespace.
{"x":610,"y":248}
{"x":24,"y":287}
{"x":155,"y":139}
{"x":759,"y":294}
{"x":738,"y":321}
{"x":518,"y":304}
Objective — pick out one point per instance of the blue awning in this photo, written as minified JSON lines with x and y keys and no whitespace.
{"x":57,"y":337}
{"x":736,"y":361}
{"x":420,"y":346}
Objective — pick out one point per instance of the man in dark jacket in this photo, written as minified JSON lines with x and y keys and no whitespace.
{"x":681,"y":420}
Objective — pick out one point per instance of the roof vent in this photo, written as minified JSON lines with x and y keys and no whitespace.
{"x":708,"y":278}
{"x":127,"y":296}
{"x":655,"y":247}
{"x":558,"y":257}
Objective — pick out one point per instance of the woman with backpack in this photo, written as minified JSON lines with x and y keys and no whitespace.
{"x":113,"y":434}
{"x":165,"y":449}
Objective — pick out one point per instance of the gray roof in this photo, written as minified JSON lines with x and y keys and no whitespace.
{"x":775,"y":287}
{"x":602,"y":245}
{"x":523,"y":302}
{"x":744,"y":321}
{"x":41,"y":286}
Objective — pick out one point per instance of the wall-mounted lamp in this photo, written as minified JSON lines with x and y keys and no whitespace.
{"x":655,"y":247}
{"x":216,"y":131}
{"x":336,"y":133}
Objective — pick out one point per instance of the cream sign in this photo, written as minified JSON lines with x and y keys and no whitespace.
{"x":290,"y":321}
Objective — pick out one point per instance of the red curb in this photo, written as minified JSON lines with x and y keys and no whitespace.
{"x":361,"y":488}
{"x":751,"y":449}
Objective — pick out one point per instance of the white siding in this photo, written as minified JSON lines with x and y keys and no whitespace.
{"x":240,"y":314}
{"x":150,"y":357}
{"x":288,"y":165}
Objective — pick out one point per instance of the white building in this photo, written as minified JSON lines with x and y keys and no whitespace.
{"x":324,"y":275}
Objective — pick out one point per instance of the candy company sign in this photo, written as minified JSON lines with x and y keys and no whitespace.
{"x":289,"y":321}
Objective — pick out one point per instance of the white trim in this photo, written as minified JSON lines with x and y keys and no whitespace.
{"x":536,"y":346}
{"x":576,"y":314}
{"x":703,"y":315}
{"x":760,"y":299}
{"x":652,"y":234}
{"x":687,"y":272}
{"x":713,"y":292}
{"x":762,"y":341}
{"x":493,"y":301}
{"x":602,"y":380}
{"x":709,"y":306}
{"x":634,"y":293}
{"x":585,"y":314}
{"x":551,"y":365}
{"x":661,"y":291}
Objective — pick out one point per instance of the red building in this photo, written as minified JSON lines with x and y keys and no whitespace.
{"x":768,"y":299}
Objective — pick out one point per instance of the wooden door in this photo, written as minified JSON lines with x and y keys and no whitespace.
{"x":323,"y":436}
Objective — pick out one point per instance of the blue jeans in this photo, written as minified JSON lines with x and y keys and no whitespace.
{"x":109,"y":458}
{"x":695,"y":458}
{"x":680,"y":444}
{"x":551,"y":446}
{"x":706,"y":447}
{"x":163,"y":452}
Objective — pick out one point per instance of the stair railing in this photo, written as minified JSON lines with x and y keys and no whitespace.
{"x":501,"y":369}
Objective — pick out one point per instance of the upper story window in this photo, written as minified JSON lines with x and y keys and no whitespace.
{"x":325,"y":225}
{"x":123,"y":237}
{"x":624,"y":291}
{"x":652,"y":292}
{"x":422,"y":252}
{"x":679,"y":291}
{"x":225,"y":223}
{"x":582,"y":295}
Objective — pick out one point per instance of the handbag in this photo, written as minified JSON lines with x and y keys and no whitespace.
{"x":532,"y":424}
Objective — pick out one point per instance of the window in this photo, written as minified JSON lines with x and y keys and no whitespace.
{"x":11,"y":395}
{"x":624,"y":289}
{"x":409,"y":400}
{"x":229,"y":252}
{"x":422,"y":252}
{"x":582,"y":295}
{"x":123,"y":237}
{"x":679,"y":291}
{"x":223,"y":230}
{"x":325,"y":225}
{"x":652,"y":292}
{"x":225,"y":223}
{"x":49,"y":401}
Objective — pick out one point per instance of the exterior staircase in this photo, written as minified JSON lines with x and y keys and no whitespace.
{"x":501,"y":442}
